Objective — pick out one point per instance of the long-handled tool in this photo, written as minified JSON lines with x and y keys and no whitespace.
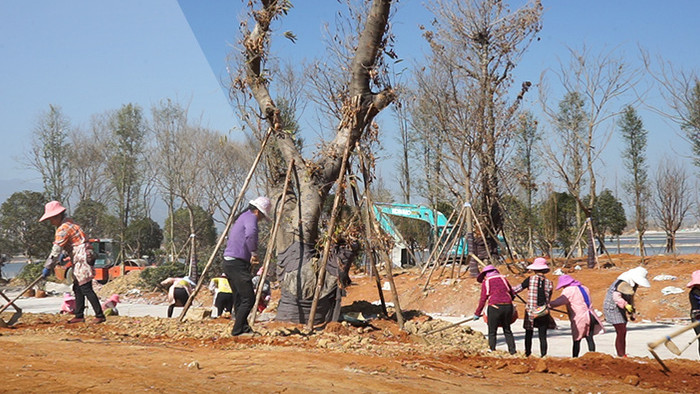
{"x":18,"y":311}
{"x":665,"y":340}
{"x":453,"y":325}
{"x":15,"y":316}
{"x":672,"y":346}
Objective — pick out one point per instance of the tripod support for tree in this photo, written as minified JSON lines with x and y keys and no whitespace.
{"x":229,"y":222}
{"x":271,"y":245}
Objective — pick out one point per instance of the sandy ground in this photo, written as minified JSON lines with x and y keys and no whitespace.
{"x":145,"y":352}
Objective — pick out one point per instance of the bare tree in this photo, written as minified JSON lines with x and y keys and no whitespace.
{"x":88,"y":162}
{"x":681,"y":91}
{"x":367,"y":95}
{"x":599,"y":81}
{"x":50,"y":153}
{"x":672,"y":199}
{"x":478,"y":44}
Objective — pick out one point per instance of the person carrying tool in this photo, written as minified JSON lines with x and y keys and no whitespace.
{"x":497,"y":291}
{"x":619,"y":304}
{"x":694,"y":296}
{"x":536,"y":312}
{"x":110,"y":306}
{"x":223,"y":296}
{"x":71,"y":240}
{"x":178,"y":292}
{"x":241,"y":252}
{"x":584,"y":321}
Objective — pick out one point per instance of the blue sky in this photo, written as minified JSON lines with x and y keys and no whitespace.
{"x":89,"y":57}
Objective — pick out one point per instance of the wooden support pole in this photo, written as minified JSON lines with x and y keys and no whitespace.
{"x":229,"y":222}
{"x":270,"y":246}
{"x":436,"y":247}
{"x":321,"y":279}
{"x":578,"y":237}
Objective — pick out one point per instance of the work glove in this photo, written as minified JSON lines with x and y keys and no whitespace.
{"x":476,"y":317}
{"x":45,"y":273}
{"x":629,"y":308}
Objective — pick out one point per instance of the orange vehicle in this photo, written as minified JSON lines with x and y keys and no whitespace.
{"x":106,"y":265}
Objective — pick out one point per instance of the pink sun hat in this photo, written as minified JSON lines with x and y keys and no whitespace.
{"x":51,"y":209}
{"x":540,"y":264}
{"x":694,"y":279}
{"x":567,"y":280}
{"x":486,"y":270}
{"x":114,"y":297}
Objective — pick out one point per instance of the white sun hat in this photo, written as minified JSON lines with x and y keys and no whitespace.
{"x":635,"y":276}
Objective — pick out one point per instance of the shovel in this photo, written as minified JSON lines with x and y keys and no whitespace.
{"x":20,"y":295}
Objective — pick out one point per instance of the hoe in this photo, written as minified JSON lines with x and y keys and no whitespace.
{"x":670,"y":345}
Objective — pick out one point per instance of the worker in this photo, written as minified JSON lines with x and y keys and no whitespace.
{"x":538,"y":297}
{"x":241,"y":252}
{"x":110,"y":306}
{"x":68,"y":305}
{"x":179,"y":290}
{"x":694,"y":295}
{"x":223,"y":296}
{"x":618,"y":306}
{"x":70,"y":240}
{"x":265,"y":292}
{"x":579,"y":306}
{"x":497,"y":291}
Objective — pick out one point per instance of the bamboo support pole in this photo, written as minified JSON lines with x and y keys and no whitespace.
{"x":451,"y":240}
{"x":229,"y":222}
{"x":270,"y":246}
{"x":320,"y":280}
{"x":578,"y":237}
{"x":436,"y":247}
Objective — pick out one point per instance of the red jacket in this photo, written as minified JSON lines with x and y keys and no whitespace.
{"x":496,"y":290}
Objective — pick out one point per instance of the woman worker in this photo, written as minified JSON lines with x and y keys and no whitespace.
{"x":496,"y":289}
{"x":538,"y":296}
{"x":694,"y":296}
{"x":584,"y":321}
{"x":619,"y":302}
{"x":179,"y":291}
{"x":71,"y":240}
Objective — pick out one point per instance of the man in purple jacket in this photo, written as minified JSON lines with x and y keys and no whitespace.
{"x":241,"y":251}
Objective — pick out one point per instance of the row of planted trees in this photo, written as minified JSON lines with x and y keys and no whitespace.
{"x":111,"y":173}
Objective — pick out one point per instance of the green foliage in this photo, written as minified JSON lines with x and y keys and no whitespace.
{"x":415,"y":232}
{"x":203,"y":224}
{"x":128,"y":128}
{"x":19,"y":223}
{"x":608,"y":215}
{"x":143,"y":236}
{"x":634,"y":156}
{"x":152,"y":276}
{"x":95,"y":220}
{"x":558,"y":225}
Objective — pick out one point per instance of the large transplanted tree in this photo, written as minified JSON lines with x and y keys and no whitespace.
{"x":50,"y":153}
{"x":366,"y":95}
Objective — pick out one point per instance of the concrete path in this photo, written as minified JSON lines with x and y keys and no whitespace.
{"x":559,"y":340}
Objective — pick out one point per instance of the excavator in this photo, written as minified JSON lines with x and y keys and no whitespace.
{"x":438,"y":225}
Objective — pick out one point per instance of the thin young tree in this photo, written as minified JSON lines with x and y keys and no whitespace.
{"x":89,"y":161}
{"x":634,"y":136}
{"x":127,"y":134}
{"x":600,"y":80}
{"x":50,"y":153}
{"x":671,"y":199}
{"x":527,"y":167}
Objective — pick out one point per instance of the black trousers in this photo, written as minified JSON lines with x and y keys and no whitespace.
{"x":85,"y":291}
{"x":180,"y":295}
{"x":500,"y":315}
{"x":241,"y":281}
{"x":224,"y":303}
{"x":542,"y":323}
{"x":589,"y":339}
